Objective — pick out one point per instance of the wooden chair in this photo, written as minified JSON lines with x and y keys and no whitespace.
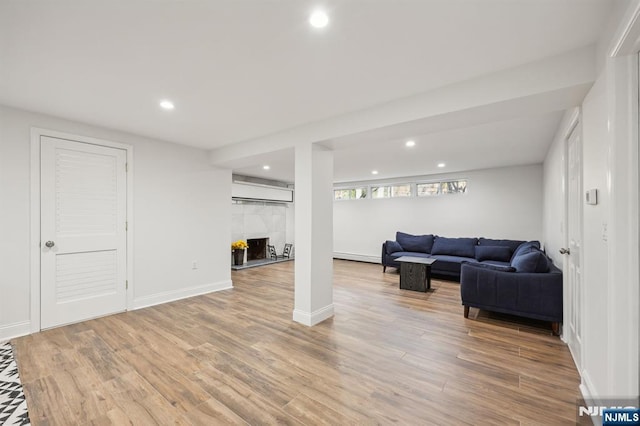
{"x":287,"y":251}
{"x":286,"y":254}
{"x":272,"y":252}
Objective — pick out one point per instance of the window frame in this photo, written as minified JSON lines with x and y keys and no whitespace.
{"x":364,"y":188}
{"x":440,"y":184}
{"x":388,"y":189}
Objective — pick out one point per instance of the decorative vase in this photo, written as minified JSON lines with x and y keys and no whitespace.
{"x":238,"y":256}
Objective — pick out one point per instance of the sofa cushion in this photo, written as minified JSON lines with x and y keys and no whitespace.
{"x":393,"y":246}
{"x":512,"y":244}
{"x":502,"y":253}
{"x":496,"y":263}
{"x":463,"y":247}
{"x":501,"y":268}
{"x":446,"y":263}
{"x":416,"y":243}
{"x":526,"y":247}
{"x":533,"y":261}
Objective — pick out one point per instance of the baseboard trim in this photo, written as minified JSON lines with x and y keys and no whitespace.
{"x":170,"y":296}
{"x":589,"y":396}
{"x":313,"y":318}
{"x":586,"y":388}
{"x":17,"y":329}
{"x":357,"y":257}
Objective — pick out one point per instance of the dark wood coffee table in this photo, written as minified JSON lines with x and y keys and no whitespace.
{"x":415,"y":273}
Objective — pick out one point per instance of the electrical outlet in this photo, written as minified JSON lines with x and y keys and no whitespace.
{"x":194,"y":264}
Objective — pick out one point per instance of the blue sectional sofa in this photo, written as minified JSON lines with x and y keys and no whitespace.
{"x":536,"y":295}
{"x":508,"y":276}
{"x":450,"y":252}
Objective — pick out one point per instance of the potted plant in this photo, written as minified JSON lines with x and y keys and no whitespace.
{"x":238,"y":248}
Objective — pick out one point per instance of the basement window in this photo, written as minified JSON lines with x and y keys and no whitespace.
{"x":454,"y":187}
{"x":350,"y":193}
{"x":437,"y":188}
{"x":428,"y":189}
{"x":401,"y":190}
{"x":380,"y":192}
{"x":391,"y":191}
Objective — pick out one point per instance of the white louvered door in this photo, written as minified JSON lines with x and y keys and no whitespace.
{"x":83,"y":234}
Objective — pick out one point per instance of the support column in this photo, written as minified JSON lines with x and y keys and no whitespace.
{"x":313,"y":234}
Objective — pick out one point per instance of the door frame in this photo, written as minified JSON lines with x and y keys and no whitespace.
{"x":35,"y":219}
{"x":574,"y":121}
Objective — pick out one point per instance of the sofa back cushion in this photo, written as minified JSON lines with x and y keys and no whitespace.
{"x":463,"y":247}
{"x":415,"y":243}
{"x":501,"y":253}
{"x":532,"y":261}
{"x":393,"y":247}
{"x":512,"y":244}
{"x":526,"y":247}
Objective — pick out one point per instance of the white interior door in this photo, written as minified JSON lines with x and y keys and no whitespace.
{"x":83,"y":231}
{"x":574,"y":315}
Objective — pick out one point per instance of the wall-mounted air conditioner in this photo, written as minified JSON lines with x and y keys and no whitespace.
{"x":254,"y":191}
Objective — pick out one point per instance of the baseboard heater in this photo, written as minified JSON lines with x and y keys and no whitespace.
{"x":356,"y":257}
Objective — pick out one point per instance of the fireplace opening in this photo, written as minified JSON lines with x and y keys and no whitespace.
{"x":257,"y":248}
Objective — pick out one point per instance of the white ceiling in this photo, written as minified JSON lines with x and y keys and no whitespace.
{"x":495,"y":144}
{"x":239,"y":70}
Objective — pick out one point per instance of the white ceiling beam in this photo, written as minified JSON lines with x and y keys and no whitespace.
{"x":570,"y":72}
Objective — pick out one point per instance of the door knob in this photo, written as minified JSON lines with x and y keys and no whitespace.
{"x":49,"y":244}
{"x":565,"y":251}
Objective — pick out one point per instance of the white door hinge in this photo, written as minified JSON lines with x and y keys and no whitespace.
{"x":127,"y":285}
{"x":126,"y":167}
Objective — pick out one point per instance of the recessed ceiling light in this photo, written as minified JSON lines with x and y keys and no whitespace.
{"x":318,"y":19}
{"x":441,"y":165}
{"x":166,"y":104}
{"x":266,"y":167}
{"x":374,"y":172}
{"x":410,"y":143}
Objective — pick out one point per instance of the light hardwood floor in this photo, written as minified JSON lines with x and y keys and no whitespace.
{"x":388,"y":356}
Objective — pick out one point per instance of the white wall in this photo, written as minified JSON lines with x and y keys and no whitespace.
{"x":610,"y":359}
{"x":499,"y":203}
{"x":14,"y":226}
{"x":181,"y":214}
{"x":610,"y":269}
{"x":595,"y":264}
